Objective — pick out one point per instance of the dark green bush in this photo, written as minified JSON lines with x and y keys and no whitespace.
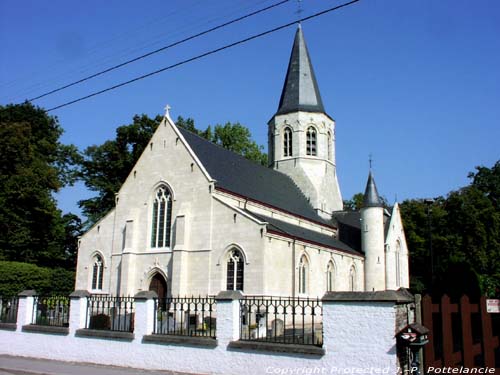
{"x":16,"y":277}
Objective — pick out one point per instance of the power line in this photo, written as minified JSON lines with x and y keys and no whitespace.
{"x":211,"y":52}
{"x":159,"y":50}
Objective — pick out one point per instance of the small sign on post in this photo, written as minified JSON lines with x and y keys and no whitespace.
{"x":493,"y":306}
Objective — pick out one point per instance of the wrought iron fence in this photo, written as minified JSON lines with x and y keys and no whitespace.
{"x":8,"y":310}
{"x":51,"y":311}
{"x":110,"y":313}
{"x":185,"y":316}
{"x":284,"y":320}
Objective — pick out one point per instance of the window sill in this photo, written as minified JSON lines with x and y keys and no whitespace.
{"x":277,"y":347}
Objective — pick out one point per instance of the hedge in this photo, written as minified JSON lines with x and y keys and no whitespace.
{"x":16,"y":277}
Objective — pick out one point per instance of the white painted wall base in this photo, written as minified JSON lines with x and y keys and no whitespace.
{"x":358,"y":336}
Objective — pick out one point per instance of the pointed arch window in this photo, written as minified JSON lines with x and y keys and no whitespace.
{"x":398,"y":265}
{"x":329,"y":157}
{"x":352,"y":279}
{"x":162,"y":218}
{"x":287,"y":142}
{"x":235,"y":270}
{"x":330,"y":277}
{"x":311,"y":141}
{"x":97,"y":273}
{"x":303,"y":274}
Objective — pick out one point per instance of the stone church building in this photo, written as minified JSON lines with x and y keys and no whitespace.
{"x":194,"y":218}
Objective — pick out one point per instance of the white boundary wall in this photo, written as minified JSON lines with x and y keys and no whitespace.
{"x":358,"y":338}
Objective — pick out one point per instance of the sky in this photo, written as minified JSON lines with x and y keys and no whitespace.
{"x":414,"y":83}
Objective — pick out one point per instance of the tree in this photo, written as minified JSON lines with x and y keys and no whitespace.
{"x":105,"y":167}
{"x":465,"y":228}
{"x":355,"y":203}
{"x":33,"y":165}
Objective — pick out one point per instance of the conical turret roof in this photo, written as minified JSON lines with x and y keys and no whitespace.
{"x":371,"y":197}
{"x":300,"y":90}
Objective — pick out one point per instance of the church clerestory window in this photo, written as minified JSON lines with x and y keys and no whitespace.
{"x":311,"y":141}
{"x":287,"y":142}
{"x":352,"y":279}
{"x":97,"y":273}
{"x":303,"y":274}
{"x":235,"y":270}
{"x":162,"y":218}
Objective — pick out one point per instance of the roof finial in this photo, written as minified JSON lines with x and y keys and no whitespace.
{"x":370,"y":160}
{"x":299,"y":10}
{"x":167,"y":110}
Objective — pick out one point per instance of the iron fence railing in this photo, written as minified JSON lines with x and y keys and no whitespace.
{"x":284,"y":320}
{"x":8,"y":310}
{"x":51,"y":311}
{"x":185,"y":316}
{"x":110,"y":313}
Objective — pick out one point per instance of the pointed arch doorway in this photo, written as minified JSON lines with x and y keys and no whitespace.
{"x":158,"y":284}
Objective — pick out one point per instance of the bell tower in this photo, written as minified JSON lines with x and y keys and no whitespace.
{"x":302,"y":135}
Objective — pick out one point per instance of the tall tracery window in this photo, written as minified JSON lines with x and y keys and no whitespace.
{"x":330,"y":277}
{"x":398,"y":266}
{"x":97,"y":273}
{"x":352,"y":279}
{"x":235,"y":270}
{"x":162,"y":218}
{"x":303,"y":273}
{"x":287,"y":142}
{"x":311,"y":141}
{"x":329,"y":157}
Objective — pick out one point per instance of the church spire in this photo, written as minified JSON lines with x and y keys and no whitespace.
{"x":371,"y":197}
{"x":300,"y":90}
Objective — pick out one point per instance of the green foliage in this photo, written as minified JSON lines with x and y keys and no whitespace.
{"x":33,"y":165}
{"x":465,"y":229}
{"x":355,"y":203}
{"x":105,"y":167}
{"x":16,"y":277}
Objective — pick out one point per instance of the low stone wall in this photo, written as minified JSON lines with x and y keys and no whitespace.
{"x":358,"y":337}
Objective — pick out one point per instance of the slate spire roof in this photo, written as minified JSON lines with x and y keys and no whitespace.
{"x":300,"y":90}
{"x":371,"y":197}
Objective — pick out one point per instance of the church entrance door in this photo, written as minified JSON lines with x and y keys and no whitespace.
{"x":158,"y":285}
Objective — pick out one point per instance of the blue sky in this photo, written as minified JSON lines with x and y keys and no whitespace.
{"x":415,"y":83}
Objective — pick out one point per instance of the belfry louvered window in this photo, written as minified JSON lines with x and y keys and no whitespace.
{"x":162,"y":218}
{"x":235,"y":271}
{"x":311,"y":141}
{"x":97,"y":273}
{"x":287,"y":142}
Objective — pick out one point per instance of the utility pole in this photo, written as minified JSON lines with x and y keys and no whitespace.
{"x":429,"y":202}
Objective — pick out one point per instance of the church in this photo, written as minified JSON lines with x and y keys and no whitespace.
{"x":193,"y":218}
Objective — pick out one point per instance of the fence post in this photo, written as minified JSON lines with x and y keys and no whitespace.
{"x":144,"y":305}
{"x":447,"y":331}
{"x":362,"y":322}
{"x":78,"y":301}
{"x":487,"y":334}
{"x":25,"y":308}
{"x":228,"y":316}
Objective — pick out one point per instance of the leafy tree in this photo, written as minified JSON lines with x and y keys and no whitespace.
{"x":33,"y":165}
{"x":105,"y":167}
{"x":355,"y":203}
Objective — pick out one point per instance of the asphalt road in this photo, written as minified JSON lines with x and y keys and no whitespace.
{"x":32,"y":366}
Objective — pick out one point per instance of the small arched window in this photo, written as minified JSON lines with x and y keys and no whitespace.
{"x":311,"y":141}
{"x":97,"y":273}
{"x":352,"y":279}
{"x":330,"y":277}
{"x":235,"y":270}
{"x":162,"y":218}
{"x":287,"y":142}
{"x":303,"y":274}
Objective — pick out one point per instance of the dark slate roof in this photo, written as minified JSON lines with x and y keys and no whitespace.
{"x":349,"y":226}
{"x":234,"y":173}
{"x":300,"y":90}
{"x":304,"y":234}
{"x":351,"y":218}
{"x":371,"y":197}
